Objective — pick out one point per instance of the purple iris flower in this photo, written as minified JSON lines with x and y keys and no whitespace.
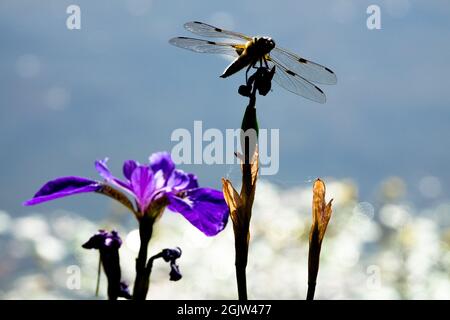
{"x":153,"y":186}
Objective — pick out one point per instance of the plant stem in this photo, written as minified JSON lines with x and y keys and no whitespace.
{"x":242,"y":283}
{"x":99,"y":271}
{"x":311,"y":290}
{"x":242,"y":213}
{"x":241,"y":246}
{"x":242,"y":230}
{"x":313,"y":262}
{"x":141,"y":283}
{"x":111,"y":265}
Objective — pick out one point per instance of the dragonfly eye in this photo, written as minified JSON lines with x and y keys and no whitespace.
{"x":267,"y":42}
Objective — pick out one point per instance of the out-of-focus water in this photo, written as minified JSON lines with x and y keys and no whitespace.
{"x":370,"y":251}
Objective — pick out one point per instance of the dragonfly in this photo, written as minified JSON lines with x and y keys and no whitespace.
{"x":292,"y":72}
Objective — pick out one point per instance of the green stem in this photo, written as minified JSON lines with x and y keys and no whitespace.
{"x":99,"y":271}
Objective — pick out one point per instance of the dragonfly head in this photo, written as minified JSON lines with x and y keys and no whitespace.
{"x":265,"y":43}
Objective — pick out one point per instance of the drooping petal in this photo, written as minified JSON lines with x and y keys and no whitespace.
{"x":103,"y":170}
{"x":162,"y":161}
{"x":143,"y":185}
{"x":202,"y":207}
{"x":117,"y":195}
{"x":128,"y":168}
{"x":63,"y":187}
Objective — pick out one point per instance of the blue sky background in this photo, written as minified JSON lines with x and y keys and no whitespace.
{"x":116,"y":88}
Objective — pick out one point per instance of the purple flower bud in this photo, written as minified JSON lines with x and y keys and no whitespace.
{"x":104,"y":240}
{"x":108,"y":243}
{"x":175,"y":273}
{"x":171,"y":254}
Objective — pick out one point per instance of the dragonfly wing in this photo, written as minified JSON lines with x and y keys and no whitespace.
{"x":206,"y":30}
{"x":309,"y":70}
{"x":204,"y":46}
{"x":294,"y":83}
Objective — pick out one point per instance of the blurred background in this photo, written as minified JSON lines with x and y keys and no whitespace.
{"x":117,"y":89}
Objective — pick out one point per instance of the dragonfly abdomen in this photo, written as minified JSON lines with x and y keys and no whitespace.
{"x":238,"y":64}
{"x":248,"y":56}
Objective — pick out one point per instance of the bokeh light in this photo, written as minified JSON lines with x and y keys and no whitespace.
{"x":368,"y":253}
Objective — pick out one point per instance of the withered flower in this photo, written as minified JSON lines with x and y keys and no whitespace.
{"x":241,"y":212}
{"x":321,"y":213}
{"x":108,"y":243}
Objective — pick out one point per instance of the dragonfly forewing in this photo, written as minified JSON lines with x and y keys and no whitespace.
{"x":206,"y":30}
{"x":205,"y":46}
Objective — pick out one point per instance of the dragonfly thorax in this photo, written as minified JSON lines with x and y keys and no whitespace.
{"x":261,"y":45}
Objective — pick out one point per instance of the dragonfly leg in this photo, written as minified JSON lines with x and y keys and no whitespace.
{"x":265,"y":63}
{"x":248,"y":69}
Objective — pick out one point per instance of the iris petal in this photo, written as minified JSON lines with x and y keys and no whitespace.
{"x":178,"y":180}
{"x":63,"y":187}
{"x":162,"y":161}
{"x":204,"y":208}
{"x":193,"y":182}
{"x":143,"y":185}
{"x":128,"y":168}
{"x":103,"y":170}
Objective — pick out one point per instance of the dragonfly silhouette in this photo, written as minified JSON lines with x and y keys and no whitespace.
{"x":292,"y":72}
